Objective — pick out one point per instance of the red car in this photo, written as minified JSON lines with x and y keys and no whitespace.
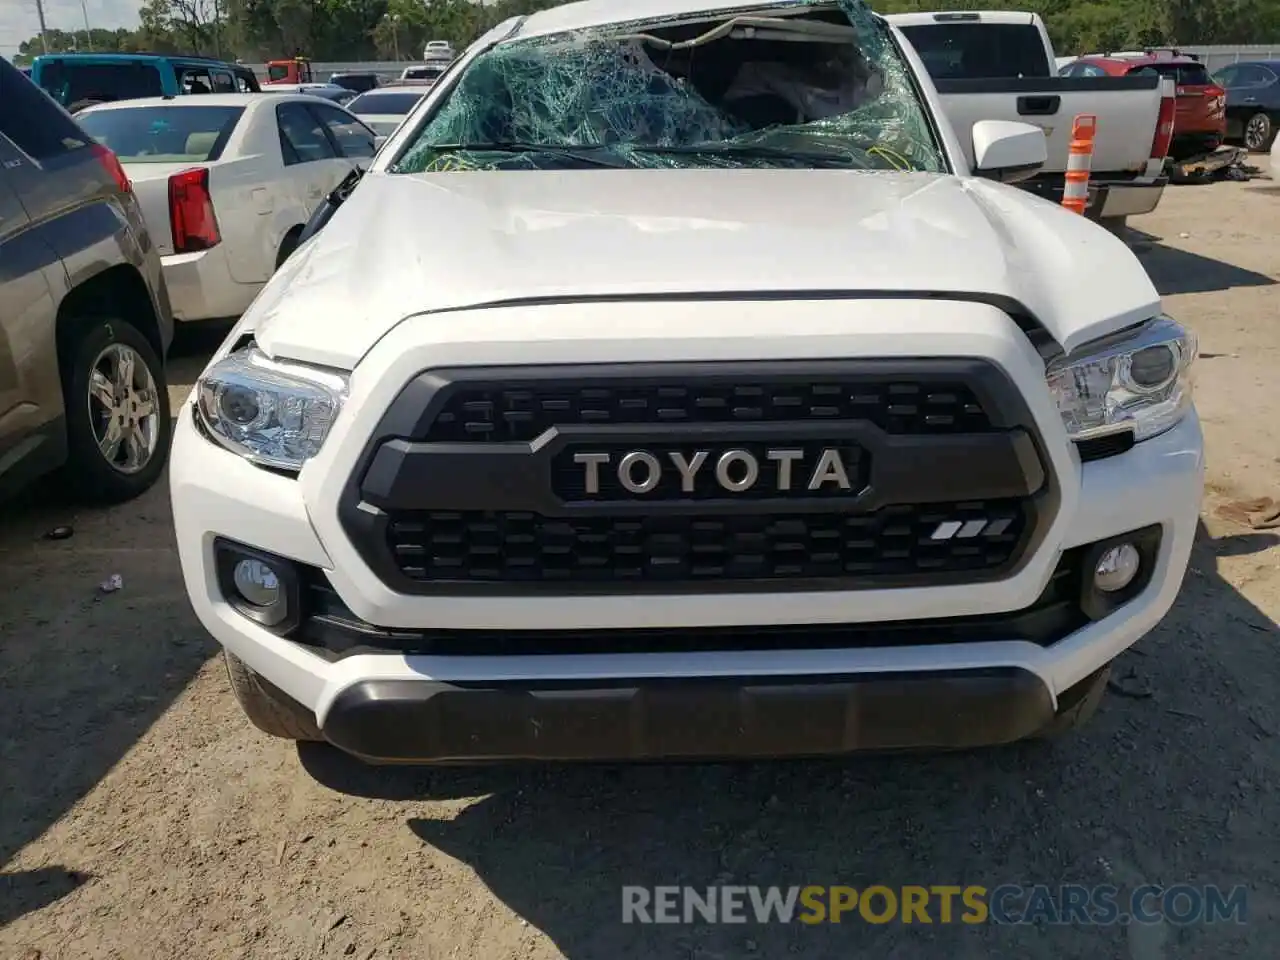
{"x":1200,"y":121}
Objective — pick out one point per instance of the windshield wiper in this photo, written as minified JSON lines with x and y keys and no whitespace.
{"x":752,"y":151}
{"x":595,"y":155}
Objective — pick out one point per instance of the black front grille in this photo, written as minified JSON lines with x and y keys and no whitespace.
{"x":496,"y":412}
{"x":469,"y":484}
{"x":504,"y":547}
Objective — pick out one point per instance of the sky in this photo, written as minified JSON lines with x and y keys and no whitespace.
{"x":18,"y":19}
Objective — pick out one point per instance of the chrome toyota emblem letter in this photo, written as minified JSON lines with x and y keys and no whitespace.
{"x":736,"y":470}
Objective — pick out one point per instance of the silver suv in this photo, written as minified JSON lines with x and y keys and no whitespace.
{"x":84,"y":314}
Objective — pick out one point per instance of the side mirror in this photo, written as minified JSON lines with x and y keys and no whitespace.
{"x":1007,"y":151}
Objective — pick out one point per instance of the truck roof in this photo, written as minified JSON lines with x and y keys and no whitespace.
{"x":586,"y":14}
{"x":128,"y":57}
{"x":1017,"y":17}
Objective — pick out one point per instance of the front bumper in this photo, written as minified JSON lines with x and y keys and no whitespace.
{"x":392,"y":721}
{"x":604,"y":697}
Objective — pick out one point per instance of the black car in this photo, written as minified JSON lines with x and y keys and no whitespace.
{"x":357,"y":82}
{"x":1253,"y":101}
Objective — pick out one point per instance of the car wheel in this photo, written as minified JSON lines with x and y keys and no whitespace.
{"x":267,"y":707}
{"x":1077,"y":705}
{"x":1259,"y":131}
{"x":117,"y":409}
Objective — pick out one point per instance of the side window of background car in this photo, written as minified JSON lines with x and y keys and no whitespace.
{"x":1228,"y":76}
{"x":302,"y":136}
{"x":354,"y":139}
{"x":1253,"y":75}
{"x":195,"y":80}
{"x":32,"y":122}
{"x":223,"y":82}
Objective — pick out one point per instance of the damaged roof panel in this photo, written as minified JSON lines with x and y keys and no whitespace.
{"x":589,"y":14}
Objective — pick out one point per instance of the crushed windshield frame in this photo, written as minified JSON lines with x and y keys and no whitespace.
{"x":896,"y":118}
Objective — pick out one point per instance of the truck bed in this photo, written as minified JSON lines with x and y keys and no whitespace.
{"x":1127,"y":110}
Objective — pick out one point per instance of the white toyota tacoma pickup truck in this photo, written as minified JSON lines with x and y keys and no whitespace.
{"x":737,"y":416}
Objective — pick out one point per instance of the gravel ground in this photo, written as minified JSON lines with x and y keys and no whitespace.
{"x":141,"y":816}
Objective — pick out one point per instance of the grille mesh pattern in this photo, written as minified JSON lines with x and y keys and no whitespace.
{"x":492,"y":413}
{"x":505,"y":547}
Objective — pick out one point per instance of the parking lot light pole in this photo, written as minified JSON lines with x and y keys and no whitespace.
{"x":88,"y":35}
{"x":44,"y":29}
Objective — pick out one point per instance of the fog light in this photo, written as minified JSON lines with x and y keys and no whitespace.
{"x":259,"y":585}
{"x":1117,"y":567}
{"x":256,"y":583}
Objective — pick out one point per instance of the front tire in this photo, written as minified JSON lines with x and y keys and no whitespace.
{"x":1259,"y":132}
{"x":117,"y":410}
{"x":267,"y":707}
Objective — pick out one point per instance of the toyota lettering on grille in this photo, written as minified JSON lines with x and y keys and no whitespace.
{"x":735,"y":470}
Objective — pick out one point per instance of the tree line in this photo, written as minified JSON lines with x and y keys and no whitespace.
{"x":354,"y":30}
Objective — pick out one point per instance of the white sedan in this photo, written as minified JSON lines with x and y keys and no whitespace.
{"x":384,"y":109}
{"x":227,"y":182}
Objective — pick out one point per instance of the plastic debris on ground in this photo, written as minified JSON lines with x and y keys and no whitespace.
{"x":111,"y":584}
{"x":1225,"y":163}
{"x":1260,"y":514}
{"x":822,"y":85}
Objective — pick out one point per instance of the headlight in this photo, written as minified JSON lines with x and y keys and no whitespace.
{"x":274,"y":414}
{"x":1136,"y":381}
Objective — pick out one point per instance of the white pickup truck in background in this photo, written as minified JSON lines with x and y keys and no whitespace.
{"x":1001,"y":66}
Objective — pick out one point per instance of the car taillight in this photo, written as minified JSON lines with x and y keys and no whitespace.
{"x":111,"y":163}
{"x":191,"y":216}
{"x":1164,"y":127}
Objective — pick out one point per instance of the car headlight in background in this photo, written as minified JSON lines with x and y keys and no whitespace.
{"x":272,"y":413}
{"x":1138,"y":381}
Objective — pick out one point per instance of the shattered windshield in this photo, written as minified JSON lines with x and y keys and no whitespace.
{"x":807,"y":84}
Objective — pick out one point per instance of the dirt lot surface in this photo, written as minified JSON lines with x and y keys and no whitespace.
{"x":142,"y":817}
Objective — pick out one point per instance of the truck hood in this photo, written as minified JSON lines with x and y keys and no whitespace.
{"x":405,"y":245}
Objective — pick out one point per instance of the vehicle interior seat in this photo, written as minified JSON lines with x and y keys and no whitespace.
{"x":200,"y":144}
